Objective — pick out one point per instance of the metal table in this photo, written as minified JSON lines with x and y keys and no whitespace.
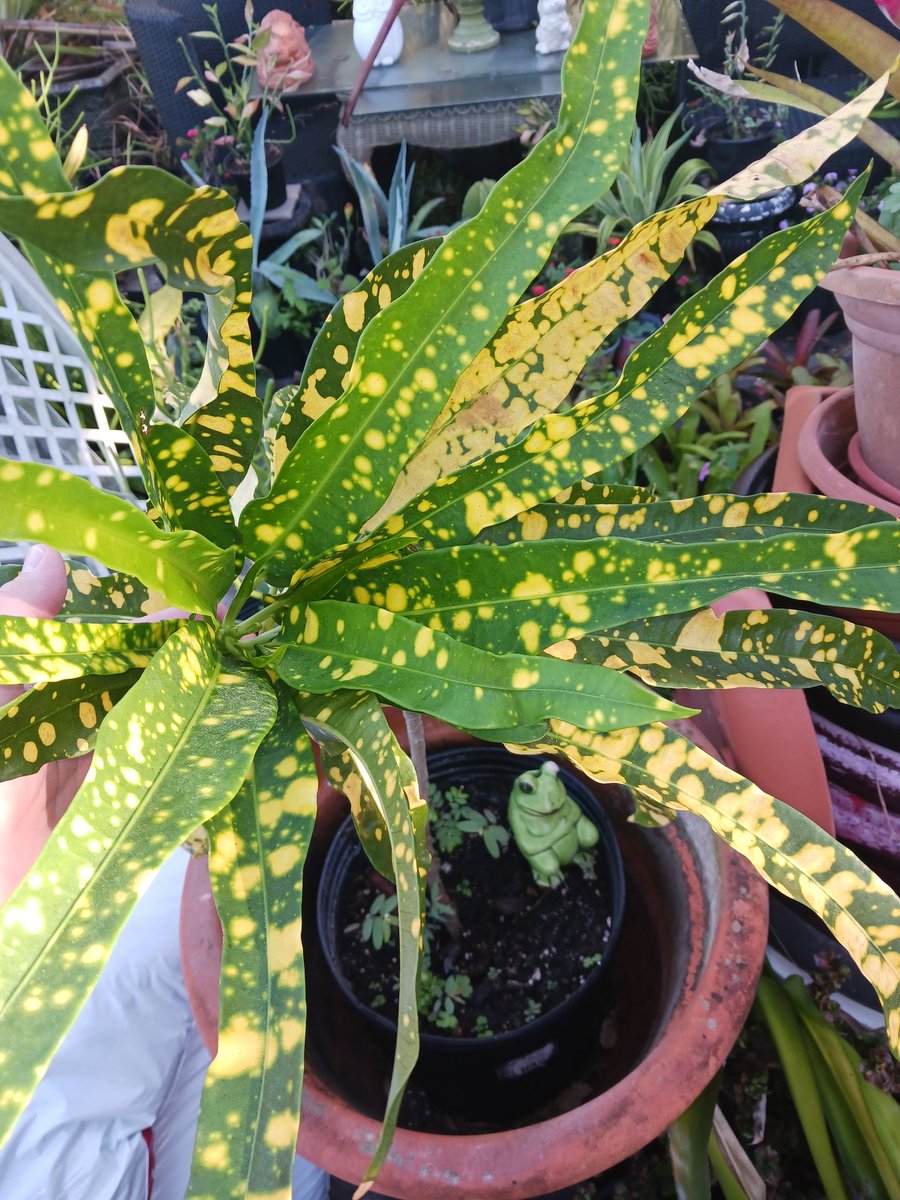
{"x":441,"y":99}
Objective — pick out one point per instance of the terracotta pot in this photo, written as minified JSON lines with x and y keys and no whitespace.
{"x":688,"y":959}
{"x":823,"y":449}
{"x":870,"y":300}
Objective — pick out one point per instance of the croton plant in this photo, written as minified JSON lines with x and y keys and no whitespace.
{"x":418,"y":529}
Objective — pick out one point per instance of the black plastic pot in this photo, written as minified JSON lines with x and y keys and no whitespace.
{"x":237,"y":172}
{"x":503,"y":1077}
{"x":509,"y":15}
{"x":739,"y":225}
{"x":728,"y":155}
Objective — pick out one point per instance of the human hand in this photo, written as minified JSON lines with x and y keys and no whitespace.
{"x":32,"y":805}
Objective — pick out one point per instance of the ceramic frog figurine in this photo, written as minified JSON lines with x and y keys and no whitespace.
{"x":547,"y":825}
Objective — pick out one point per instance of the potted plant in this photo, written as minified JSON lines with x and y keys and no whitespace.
{"x":866,"y":289}
{"x":370,"y":587}
{"x":238,"y":92}
{"x":733,"y":131}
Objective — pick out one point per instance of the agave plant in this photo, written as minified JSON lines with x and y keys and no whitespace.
{"x":419,"y":532}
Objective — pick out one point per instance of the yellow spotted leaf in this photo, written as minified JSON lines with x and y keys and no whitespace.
{"x":669,"y":774}
{"x":770,"y":648}
{"x":326,"y":375}
{"x":250,"y":1110}
{"x":167,"y":758}
{"x":343,"y":646}
{"x":408,"y":359}
{"x":363,"y":759}
{"x":57,"y":720}
{"x":535,"y":357}
{"x":40,"y":503}
{"x":710,"y":333}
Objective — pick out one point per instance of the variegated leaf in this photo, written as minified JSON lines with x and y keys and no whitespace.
{"x":341,"y":645}
{"x":29,"y":164}
{"x":365,"y":761}
{"x":768,"y":648}
{"x":139,"y":218}
{"x":228,"y":430}
{"x":114,"y":597}
{"x":710,"y":333}
{"x":168,"y":757}
{"x":326,"y":375}
{"x":532,"y":594}
{"x":40,"y":503}
{"x":668,"y":773}
{"x":585,"y":492}
{"x":409,"y":357}
{"x":57,"y":720}
{"x":704,"y":518}
{"x":191,"y":495}
{"x":247,"y":1136}
{"x":534,"y":359}
{"x":867,"y":46}
{"x":35,"y":650}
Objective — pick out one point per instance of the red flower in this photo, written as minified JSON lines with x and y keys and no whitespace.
{"x":568,"y":271}
{"x":538,"y":289}
{"x":614,"y":241}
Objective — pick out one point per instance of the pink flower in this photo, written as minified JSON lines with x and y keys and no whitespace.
{"x":568,"y":271}
{"x":891,"y":9}
{"x":613,"y":241}
{"x":683,"y":280}
{"x":285,"y":61}
{"x":538,"y":289}
{"x":191,"y":133}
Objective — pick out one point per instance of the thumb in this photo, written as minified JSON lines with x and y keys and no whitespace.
{"x":40,"y":587}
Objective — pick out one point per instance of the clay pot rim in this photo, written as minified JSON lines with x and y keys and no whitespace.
{"x":536,"y":1158}
{"x":867,"y":477}
{"x":822,"y":471}
{"x":874,"y":284}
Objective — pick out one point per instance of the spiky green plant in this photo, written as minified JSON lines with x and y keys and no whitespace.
{"x":422,"y":537}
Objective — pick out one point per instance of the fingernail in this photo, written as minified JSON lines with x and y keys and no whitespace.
{"x":33,"y":559}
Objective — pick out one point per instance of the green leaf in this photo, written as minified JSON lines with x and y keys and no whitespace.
{"x":409,"y":357}
{"x":35,"y":650}
{"x":712,"y":518}
{"x":327,"y":371}
{"x":864,"y":44}
{"x":763,"y":648}
{"x":688,"y":1138}
{"x":57,"y":720}
{"x":342,"y":645}
{"x":40,"y":503}
{"x":168,"y":757}
{"x":864,"y":1120}
{"x":107,"y":331}
{"x":535,"y":594}
{"x":709,"y":334}
{"x":364,"y":759}
{"x":228,"y":429}
{"x":143,"y":216}
{"x":114,"y":597}
{"x":192,"y":496}
{"x":793,"y":1048}
{"x":250,"y":1111}
{"x":555,"y":334}
{"x":667,"y":774}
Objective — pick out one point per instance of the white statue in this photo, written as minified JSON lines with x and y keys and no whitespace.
{"x":368,"y":17}
{"x":554,"y":29}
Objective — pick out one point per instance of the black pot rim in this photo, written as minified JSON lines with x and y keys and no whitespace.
{"x":616,"y":877}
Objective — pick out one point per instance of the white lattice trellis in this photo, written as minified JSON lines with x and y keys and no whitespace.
{"x":52,"y":409}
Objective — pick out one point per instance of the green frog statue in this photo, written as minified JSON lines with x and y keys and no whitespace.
{"x":548,"y":826}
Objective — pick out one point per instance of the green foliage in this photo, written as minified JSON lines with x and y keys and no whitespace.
{"x":375,"y":579}
{"x":646,"y":185}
